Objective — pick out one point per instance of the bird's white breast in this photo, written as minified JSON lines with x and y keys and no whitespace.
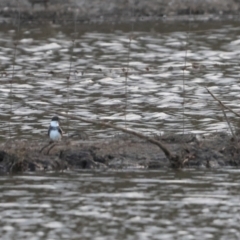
{"x":55,"y":135}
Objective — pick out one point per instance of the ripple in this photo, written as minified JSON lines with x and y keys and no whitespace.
{"x":158,"y":203}
{"x":108,"y":72}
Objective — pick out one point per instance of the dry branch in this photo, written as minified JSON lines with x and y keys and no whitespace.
{"x":175,"y":160}
{"x":237,"y":114}
{"x":224,"y":114}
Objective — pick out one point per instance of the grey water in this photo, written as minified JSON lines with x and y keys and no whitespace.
{"x":161,"y":204}
{"x":81,"y":70}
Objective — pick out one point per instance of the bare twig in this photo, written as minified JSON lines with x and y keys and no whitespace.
{"x":52,"y":146}
{"x":126,"y":79}
{"x":70,"y":65}
{"x":184,"y":68}
{"x":228,"y":108}
{"x":13,"y":70}
{"x":224,"y":114}
{"x":49,"y":144}
{"x":229,"y":125}
{"x":128,"y":70}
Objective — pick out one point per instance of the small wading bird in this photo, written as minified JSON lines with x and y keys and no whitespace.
{"x":54,"y":131}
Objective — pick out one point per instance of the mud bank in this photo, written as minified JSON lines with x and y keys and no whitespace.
{"x":59,"y":11}
{"x":120,"y":152}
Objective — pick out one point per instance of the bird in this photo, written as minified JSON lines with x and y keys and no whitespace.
{"x":54,"y":131}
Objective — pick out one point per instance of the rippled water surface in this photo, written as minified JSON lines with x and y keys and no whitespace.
{"x":97,"y":57}
{"x":121,"y":205}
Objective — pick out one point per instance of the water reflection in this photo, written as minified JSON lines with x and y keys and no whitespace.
{"x":98,"y":59}
{"x":121,"y":205}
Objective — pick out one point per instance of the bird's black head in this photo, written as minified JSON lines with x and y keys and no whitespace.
{"x":55,"y":118}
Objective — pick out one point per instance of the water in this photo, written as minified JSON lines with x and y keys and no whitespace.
{"x":163,"y":204}
{"x":97,"y":56}
{"x":160,"y":204}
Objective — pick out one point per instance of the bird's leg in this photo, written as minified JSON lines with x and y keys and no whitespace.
{"x":50,"y":143}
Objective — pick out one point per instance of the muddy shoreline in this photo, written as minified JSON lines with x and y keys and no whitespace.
{"x":121,"y":152}
{"x":65,"y":12}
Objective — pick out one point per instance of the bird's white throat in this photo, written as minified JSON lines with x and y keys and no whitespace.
{"x":54,"y":124}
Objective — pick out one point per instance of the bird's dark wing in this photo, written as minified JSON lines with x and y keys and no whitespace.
{"x":60,"y":131}
{"x":49,"y":130}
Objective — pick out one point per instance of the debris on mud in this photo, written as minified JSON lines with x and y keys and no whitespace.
{"x":124,"y":151}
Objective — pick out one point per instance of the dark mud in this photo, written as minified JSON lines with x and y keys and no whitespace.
{"x":121,"y":152}
{"x":64,"y":12}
